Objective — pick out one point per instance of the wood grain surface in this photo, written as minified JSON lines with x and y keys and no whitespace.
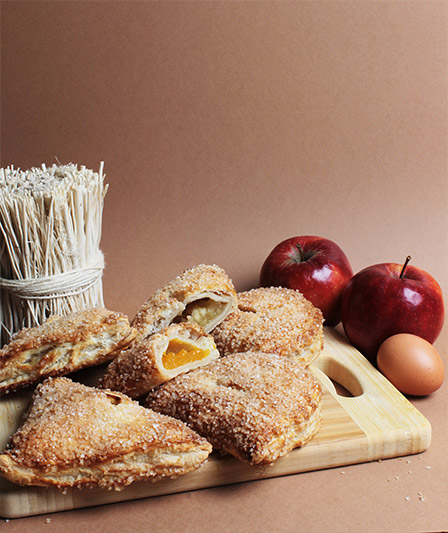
{"x":364,"y":419}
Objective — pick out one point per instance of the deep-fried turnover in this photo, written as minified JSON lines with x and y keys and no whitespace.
{"x":203,"y":295}
{"x":274,"y":319}
{"x":252,"y":405}
{"x":63,"y":344}
{"x":76,"y":436}
{"x":158,"y":358}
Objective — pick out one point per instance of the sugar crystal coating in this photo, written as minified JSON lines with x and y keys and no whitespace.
{"x":63,"y":344}
{"x":71,"y":430}
{"x":253,"y":405}
{"x":274,"y":319}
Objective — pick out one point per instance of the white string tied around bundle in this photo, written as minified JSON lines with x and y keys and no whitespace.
{"x":69,"y":283}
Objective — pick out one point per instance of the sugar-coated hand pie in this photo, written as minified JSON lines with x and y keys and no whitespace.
{"x":199,"y":367}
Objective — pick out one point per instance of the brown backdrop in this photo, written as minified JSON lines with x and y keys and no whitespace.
{"x":226,"y":127}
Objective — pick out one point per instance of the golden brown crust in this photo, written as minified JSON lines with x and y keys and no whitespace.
{"x":75,"y":435}
{"x":253,"y":405}
{"x":63,"y":345}
{"x":140,"y":368}
{"x":208,"y":284}
{"x":276,"y":320}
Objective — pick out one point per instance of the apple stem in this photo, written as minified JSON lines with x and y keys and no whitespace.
{"x":299,"y":248}
{"x":408,"y":258}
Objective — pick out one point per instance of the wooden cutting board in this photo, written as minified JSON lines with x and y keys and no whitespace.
{"x":364,"y":419}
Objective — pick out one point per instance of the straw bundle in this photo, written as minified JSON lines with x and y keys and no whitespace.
{"x":50,"y":260}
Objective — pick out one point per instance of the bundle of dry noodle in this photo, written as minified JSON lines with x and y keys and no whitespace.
{"x":50,"y":232}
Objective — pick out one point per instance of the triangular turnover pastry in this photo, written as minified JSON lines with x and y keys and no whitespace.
{"x":63,"y":344}
{"x":159,"y":358}
{"x":253,"y":405}
{"x":74,"y":435}
{"x":203,"y":294}
{"x":273,"y":320}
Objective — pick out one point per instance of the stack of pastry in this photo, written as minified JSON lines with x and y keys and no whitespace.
{"x":199,"y":366}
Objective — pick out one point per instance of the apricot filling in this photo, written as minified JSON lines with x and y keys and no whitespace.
{"x":180,"y":353}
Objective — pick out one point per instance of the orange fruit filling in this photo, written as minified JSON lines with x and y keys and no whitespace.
{"x":180,"y":353}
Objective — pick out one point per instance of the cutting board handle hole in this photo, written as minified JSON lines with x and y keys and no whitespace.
{"x":344,"y":381}
{"x":341,"y":390}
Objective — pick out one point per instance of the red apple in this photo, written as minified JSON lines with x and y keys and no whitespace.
{"x":317,"y":267}
{"x":385,"y":299}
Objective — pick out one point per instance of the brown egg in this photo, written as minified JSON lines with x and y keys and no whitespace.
{"x":411,"y":363}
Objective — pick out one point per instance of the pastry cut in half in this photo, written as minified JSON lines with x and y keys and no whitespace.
{"x":75,"y":436}
{"x":63,"y":344}
{"x":276,"y":320}
{"x":203,"y":295}
{"x":254,"y":406}
{"x":159,"y":358}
